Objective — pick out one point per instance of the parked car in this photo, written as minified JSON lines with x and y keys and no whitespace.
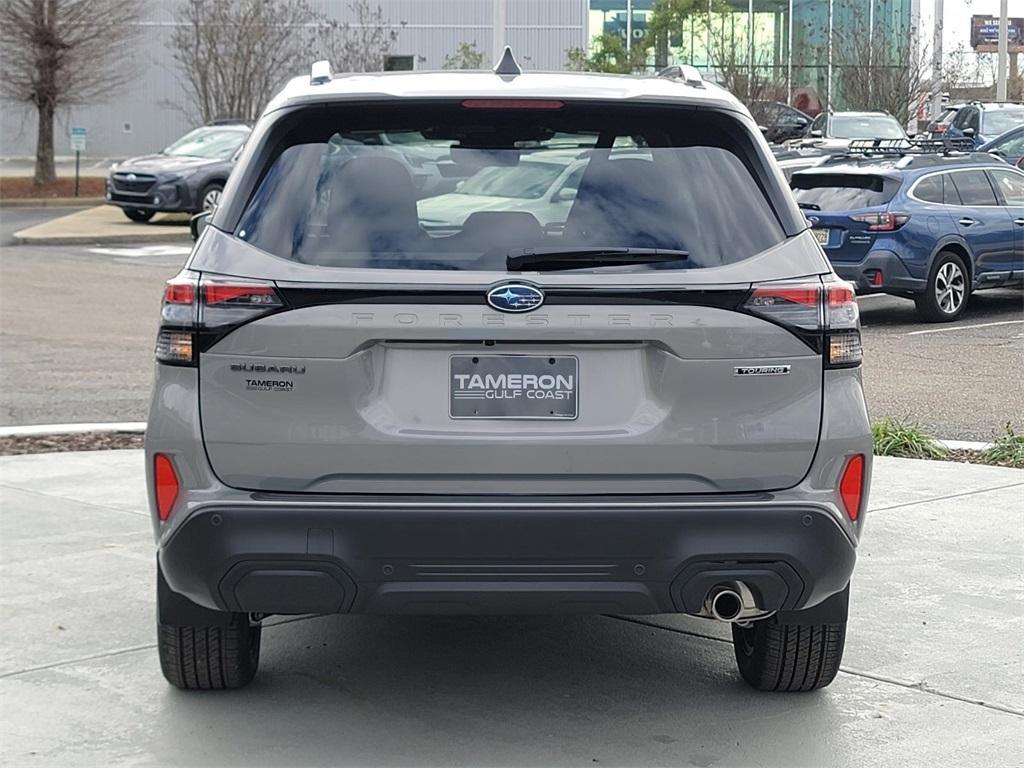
{"x":781,"y":122}
{"x":542,"y":184}
{"x":940,"y":125}
{"x":792,"y":159}
{"x":834,"y":130}
{"x":188,"y":176}
{"x":984,"y":121}
{"x":931,"y":227}
{"x":1008,"y":146}
{"x":655,"y":407}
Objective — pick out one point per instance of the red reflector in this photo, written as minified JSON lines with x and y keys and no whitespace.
{"x":179,"y":292}
{"x":512,"y":104}
{"x":217,"y":293}
{"x":877,"y":279}
{"x":851,"y":486}
{"x":165,"y":479}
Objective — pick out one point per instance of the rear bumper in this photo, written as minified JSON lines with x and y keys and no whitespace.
{"x":492,"y":555}
{"x":895,"y":277}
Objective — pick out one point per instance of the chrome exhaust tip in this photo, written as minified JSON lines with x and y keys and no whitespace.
{"x":726,"y":604}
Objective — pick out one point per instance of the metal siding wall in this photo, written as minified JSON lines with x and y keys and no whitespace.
{"x":540,"y":31}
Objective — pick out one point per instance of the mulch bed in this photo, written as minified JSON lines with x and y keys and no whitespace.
{"x":974,"y":457}
{"x":84,"y":441}
{"x":19,"y":188}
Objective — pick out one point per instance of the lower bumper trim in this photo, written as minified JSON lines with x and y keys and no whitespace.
{"x":272,"y":558}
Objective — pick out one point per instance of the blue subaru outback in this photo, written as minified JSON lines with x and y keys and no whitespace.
{"x":905,"y":219}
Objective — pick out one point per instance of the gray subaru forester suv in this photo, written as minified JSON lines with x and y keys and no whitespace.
{"x":644,"y":398}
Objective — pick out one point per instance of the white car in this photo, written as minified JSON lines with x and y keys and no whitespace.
{"x":542,"y":183}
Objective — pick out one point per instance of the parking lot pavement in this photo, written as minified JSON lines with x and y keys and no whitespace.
{"x":932,"y":673}
{"x":77,"y":330}
{"x":960,"y":380}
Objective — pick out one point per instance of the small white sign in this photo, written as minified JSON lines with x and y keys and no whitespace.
{"x":78,"y":139}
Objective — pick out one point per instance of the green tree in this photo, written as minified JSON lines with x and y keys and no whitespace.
{"x":610,"y":55}
{"x":466,"y":57}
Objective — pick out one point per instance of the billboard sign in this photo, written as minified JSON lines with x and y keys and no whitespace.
{"x":985,"y":34}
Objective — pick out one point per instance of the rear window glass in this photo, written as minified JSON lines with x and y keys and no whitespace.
{"x":929,"y":189}
{"x":448,"y":187}
{"x":865,"y":127}
{"x":840,"y":192}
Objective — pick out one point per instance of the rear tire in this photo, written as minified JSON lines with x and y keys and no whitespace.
{"x":210,"y":658}
{"x":788,"y":657}
{"x":947,"y":292}
{"x":139,"y":215}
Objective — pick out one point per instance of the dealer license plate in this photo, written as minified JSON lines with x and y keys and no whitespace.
{"x":513,"y":387}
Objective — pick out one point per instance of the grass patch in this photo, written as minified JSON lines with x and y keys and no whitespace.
{"x":897,"y":438}
{"x":1007,"y":450}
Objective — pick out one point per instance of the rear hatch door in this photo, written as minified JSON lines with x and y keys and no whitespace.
{"x":398,"y":358}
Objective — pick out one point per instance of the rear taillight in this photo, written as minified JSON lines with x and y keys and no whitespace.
{"x":815,"y":312}
{"x":882,"y":222}
{"x":851,"y":486}
{"x":197,"y":312}
{"x":165,"y":484}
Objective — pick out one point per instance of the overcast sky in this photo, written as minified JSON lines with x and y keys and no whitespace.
{"x":956,"y":27}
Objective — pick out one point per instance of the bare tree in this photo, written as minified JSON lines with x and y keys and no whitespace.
{"x":62,"y":52}
{"x":748,"y":73}
{"x":467,"y":56}
{"x":232,"y":55}
{"x":880,"y":68}
{"x":362,"y":45}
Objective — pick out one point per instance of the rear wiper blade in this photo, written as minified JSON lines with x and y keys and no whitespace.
{"x":810,"y":206}
{"x":552,"y":259}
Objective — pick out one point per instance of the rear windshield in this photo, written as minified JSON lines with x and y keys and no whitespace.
{"x":865,"y":127}
{"x":454,"y":186}
{"x":841,"y":192}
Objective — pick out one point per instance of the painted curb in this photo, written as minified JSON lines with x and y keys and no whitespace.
{"x":39,"y":430}
{"x":963,"y":445}
{"x":129,"y":238}
{"x":51,"y":202}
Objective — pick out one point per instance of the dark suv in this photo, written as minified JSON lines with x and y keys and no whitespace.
{"x":187,"y":177}
{"x":626,"y":397}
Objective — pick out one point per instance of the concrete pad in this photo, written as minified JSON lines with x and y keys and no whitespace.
{"x":599,"y":690}
{"x":105,"y":224}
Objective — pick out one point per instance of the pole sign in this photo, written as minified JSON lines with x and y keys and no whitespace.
{"x":78,"y":139}
{"x":985,"y":34}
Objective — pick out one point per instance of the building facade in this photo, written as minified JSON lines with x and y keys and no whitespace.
{"x":799,"y":51}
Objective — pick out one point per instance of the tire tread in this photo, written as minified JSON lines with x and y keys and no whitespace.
{"x":789,"y":657}
{"x":209,"y":658}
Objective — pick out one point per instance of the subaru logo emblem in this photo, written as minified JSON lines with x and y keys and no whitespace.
{"x":132,"y":177}
{"x":515,"y":297}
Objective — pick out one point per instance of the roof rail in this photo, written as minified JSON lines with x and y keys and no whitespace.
{"x":689,"y":75}
{"x":320,"y":73}
{"x":900,"y":147}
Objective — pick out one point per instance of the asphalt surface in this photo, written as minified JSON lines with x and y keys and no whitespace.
{"x":77,"y":329}
{"x":931,"y":675}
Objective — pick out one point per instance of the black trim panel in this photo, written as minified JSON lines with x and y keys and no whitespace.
{"x":295,"y":297}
